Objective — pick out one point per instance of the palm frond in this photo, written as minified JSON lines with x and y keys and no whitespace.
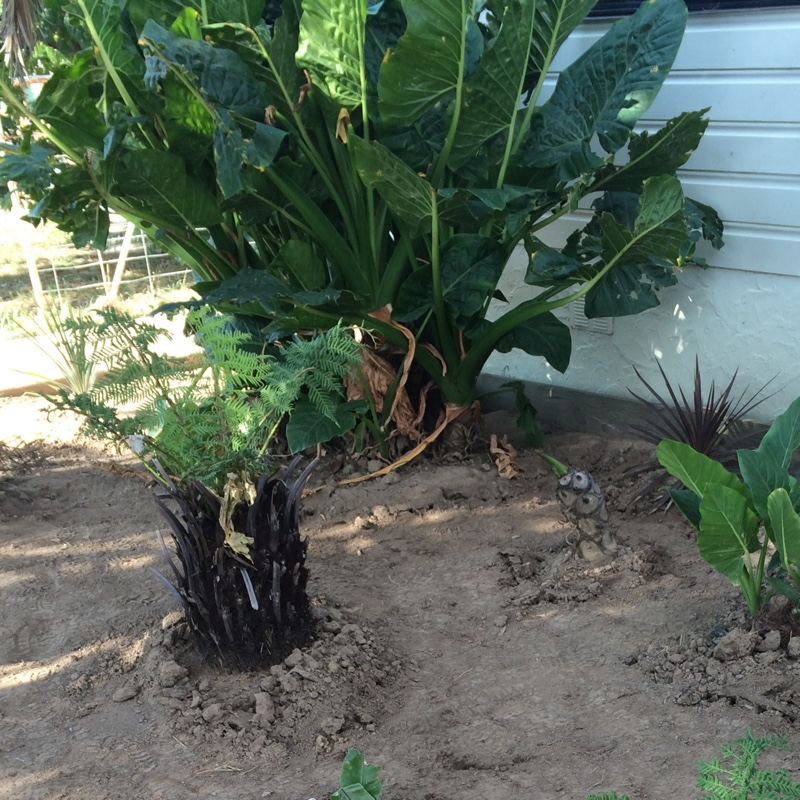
{"x":18,"y":27}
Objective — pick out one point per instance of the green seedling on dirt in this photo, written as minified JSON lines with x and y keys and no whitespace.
{"x":730,"y":513}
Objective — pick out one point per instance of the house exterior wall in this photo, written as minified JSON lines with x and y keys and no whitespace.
{"x":743,"y":312}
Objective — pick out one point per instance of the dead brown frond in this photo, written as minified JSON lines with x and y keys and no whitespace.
{"x":21,"y":457}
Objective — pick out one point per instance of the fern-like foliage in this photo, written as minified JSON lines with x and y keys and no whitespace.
{"x":205,"y":416}
{"x":739,"y":778}
{"x":608,"y":796}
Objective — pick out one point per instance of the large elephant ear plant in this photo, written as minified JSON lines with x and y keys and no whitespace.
{"x":376,"y":162}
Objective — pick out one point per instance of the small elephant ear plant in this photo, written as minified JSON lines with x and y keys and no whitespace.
{"x":740,"y":520}
{"x":202,"y":428}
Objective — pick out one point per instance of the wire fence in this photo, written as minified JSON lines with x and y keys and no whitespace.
{"x":129,"y":259}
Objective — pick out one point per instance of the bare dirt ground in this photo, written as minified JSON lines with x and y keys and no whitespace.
{"x":461,"y":647}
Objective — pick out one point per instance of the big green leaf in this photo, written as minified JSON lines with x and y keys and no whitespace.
{"x":332,"y":38}
{"x":548,"y":265}
{"x":408,"y":195}
{"x":246,"y":12}
{"x":728,"y":530}
{"x":695,"y":470}
{"x":470,"y":267}
{"x":68,"y":102}
{"x":157,"y":183}
{"x":220,"y":75}
{"x":308,"y":427}
{"x":164,"y":12}
{"x":783,"y":436}
{"x":642,"y":257}
{"x":232,"y":151}
{"x":765,"y":469}
{"x":543,"y":335}
{"x":661,"y":153}
{"x":267,"y":291}
{"x":303,"y":263}
{"x":284,"y":76}
{"x":554,"y":21}
{"x":688,"y":504}
{"x":605,"y":91}
{"x":74,"y":205}
{"x":32,"y":172}
{"x":628,"y":289}
{"x":762,"y":474}
{"x":114,"y":41}
{"x":458,"y":206}
{"x":491,"y":100}
{"x":386,"y":23}
{"x":785,"y":524}
{"x":440,"y":43}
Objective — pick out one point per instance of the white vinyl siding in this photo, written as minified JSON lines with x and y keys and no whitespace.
{"x":744,"y":311}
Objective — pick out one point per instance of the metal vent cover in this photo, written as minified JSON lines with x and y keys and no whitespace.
{"x":579,"y":321}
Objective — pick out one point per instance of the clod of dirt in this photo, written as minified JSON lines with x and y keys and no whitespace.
{"x":125,"y":693}
{"x":170,"y":672}
{"x":321,"y":694}
{"x":742,"y":667}
{"x":735,"y":645}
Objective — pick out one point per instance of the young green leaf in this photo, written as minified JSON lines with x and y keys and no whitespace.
{"x":158,"y":184}
{"x":785,"y":525}
{"x":762,"y":475}
{"x":728,"y":530}
{"x":783,"y":436}
{"x":307,"y":426}
{"x":358,"y":781}
{"x":694,"y":470}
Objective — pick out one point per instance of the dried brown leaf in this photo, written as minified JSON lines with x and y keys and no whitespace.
{"x":504,"y":457}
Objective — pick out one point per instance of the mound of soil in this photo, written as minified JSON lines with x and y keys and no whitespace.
{"x":461,"y":644}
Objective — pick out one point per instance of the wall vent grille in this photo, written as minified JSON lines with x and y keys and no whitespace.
{"x":579,"y":321}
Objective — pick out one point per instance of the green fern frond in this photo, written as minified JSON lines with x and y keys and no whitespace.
{"x":204,"y":420}
{"x":608,"y":796}
{"x":742,"y":780}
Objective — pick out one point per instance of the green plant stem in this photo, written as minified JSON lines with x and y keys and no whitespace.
{"x":446,"y":342}
{"x":343,"y":258}
{"x":100,"y":48}
{"x":395,"y":270}
{"x":444,"y":156}
{"x":362,"y":74}
{"x":12,"y":100}
{"x":544,"y":67}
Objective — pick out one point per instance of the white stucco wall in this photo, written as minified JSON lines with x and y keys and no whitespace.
{"x":744,"y":312}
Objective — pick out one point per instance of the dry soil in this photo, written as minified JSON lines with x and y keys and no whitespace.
{"x":462,"y":646}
